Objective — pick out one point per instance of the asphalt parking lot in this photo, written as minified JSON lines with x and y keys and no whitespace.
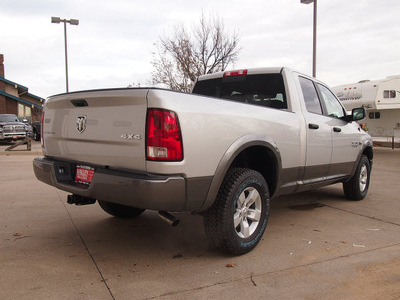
{"x":317,"y":246}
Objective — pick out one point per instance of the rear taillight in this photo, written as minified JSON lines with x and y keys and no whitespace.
{"x":163,"y":136}
{"x":41,"y":130}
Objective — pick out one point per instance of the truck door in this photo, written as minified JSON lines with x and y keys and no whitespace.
{"x":345,"y":135}
{"x":318,"y":134}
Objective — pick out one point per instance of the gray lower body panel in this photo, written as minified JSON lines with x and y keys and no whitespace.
{"x":148,"y":191}
{"x":293,"y":180}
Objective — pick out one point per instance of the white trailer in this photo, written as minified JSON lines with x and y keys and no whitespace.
{"x":381,"y":99}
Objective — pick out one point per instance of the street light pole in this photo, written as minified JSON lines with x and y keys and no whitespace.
{"x":314,"y":34}
{"x":66,"y":57}
{"x":72,"y":22}
{"x":315,"y":40}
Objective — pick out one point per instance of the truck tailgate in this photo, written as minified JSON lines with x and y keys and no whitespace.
{"x":98,"y":127}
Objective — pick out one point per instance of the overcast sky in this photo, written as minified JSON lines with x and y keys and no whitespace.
{"x":112,"y":45}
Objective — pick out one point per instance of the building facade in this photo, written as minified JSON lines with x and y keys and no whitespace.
{"x":15,"y":98}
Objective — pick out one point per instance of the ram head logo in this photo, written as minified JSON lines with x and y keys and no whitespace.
{"x":81,"y":123}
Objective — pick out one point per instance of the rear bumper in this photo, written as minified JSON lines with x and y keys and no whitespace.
{"x":169,"y":193}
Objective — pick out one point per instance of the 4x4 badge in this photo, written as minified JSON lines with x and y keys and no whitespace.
{"x":81,"y":123}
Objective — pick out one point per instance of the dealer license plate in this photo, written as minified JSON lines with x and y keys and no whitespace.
{"x":84,"y":174}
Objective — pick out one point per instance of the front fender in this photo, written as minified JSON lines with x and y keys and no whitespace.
{"x":367,"y":149}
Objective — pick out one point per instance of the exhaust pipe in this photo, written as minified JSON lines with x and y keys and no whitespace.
{"x":80,"y":200}
{"x":168,"y":218}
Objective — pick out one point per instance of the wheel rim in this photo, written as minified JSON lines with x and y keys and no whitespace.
{"x":248,"y":212}
{"x":363,"y":177}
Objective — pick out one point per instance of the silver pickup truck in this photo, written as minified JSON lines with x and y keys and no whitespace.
{"x":241,"y":138}
{"x":13,"y":128}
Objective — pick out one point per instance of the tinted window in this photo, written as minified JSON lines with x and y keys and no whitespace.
{"x":374,"y":115}
{"x":310,"y":96}
{"x":211,"y":87}
{"x":389,"y":94}
{"x":264,"y":89}
{"x":385,"y":94}
{"x":333,"y":107}
{"x":9,"y":118}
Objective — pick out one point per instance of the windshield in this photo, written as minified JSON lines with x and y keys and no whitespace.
{"x":9,"y":118}
{"x":263,"y":89}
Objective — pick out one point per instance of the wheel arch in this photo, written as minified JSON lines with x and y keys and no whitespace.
{"x":257,"y":152}
{"x":368,"y":152}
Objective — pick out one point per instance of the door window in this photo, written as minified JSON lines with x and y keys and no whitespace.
{"x":310,"y":96}
{"x":333,"y":107}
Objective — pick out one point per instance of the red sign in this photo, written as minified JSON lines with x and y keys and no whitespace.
{"x":84,"y":174}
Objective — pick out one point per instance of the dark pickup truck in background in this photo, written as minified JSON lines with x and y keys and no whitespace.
{"x":36,"y":125}
{"x":13,"y":128}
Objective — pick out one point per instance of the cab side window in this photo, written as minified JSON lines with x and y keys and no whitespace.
{"x":333,"y":107}
{"x":310,"y":95}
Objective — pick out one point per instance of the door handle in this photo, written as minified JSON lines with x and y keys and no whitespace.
{"x":313,"y":126}
{"x":337,"y":129}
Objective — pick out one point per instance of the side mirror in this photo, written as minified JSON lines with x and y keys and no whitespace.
{"x":357,"y":114}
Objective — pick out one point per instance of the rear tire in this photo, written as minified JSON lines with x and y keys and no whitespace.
{"x":119,"y":210}
{"x":238,"y":218}
{"x":357,"y":187}
{"x":36,"y":135}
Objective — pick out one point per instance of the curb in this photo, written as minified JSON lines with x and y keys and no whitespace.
{"x":21,"y":150}
{"x":21,"y":153}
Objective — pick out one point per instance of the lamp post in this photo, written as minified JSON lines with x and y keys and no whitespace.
{"x":314,"y":34}
{"x":58,"y":20}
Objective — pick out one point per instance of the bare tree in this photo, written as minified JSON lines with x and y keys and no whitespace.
{"x":184,"y":55}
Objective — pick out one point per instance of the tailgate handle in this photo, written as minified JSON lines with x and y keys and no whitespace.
{"x":79,"y":103}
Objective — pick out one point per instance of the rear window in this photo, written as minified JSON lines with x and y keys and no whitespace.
{"x":263,"y":89}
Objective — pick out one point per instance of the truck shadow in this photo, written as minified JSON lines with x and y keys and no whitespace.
{"x":148,"y":236}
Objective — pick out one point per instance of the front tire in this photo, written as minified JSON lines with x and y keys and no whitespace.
{"x":119,"y":210}
{"x":357,"y":187}
{"x":238,"y":218}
